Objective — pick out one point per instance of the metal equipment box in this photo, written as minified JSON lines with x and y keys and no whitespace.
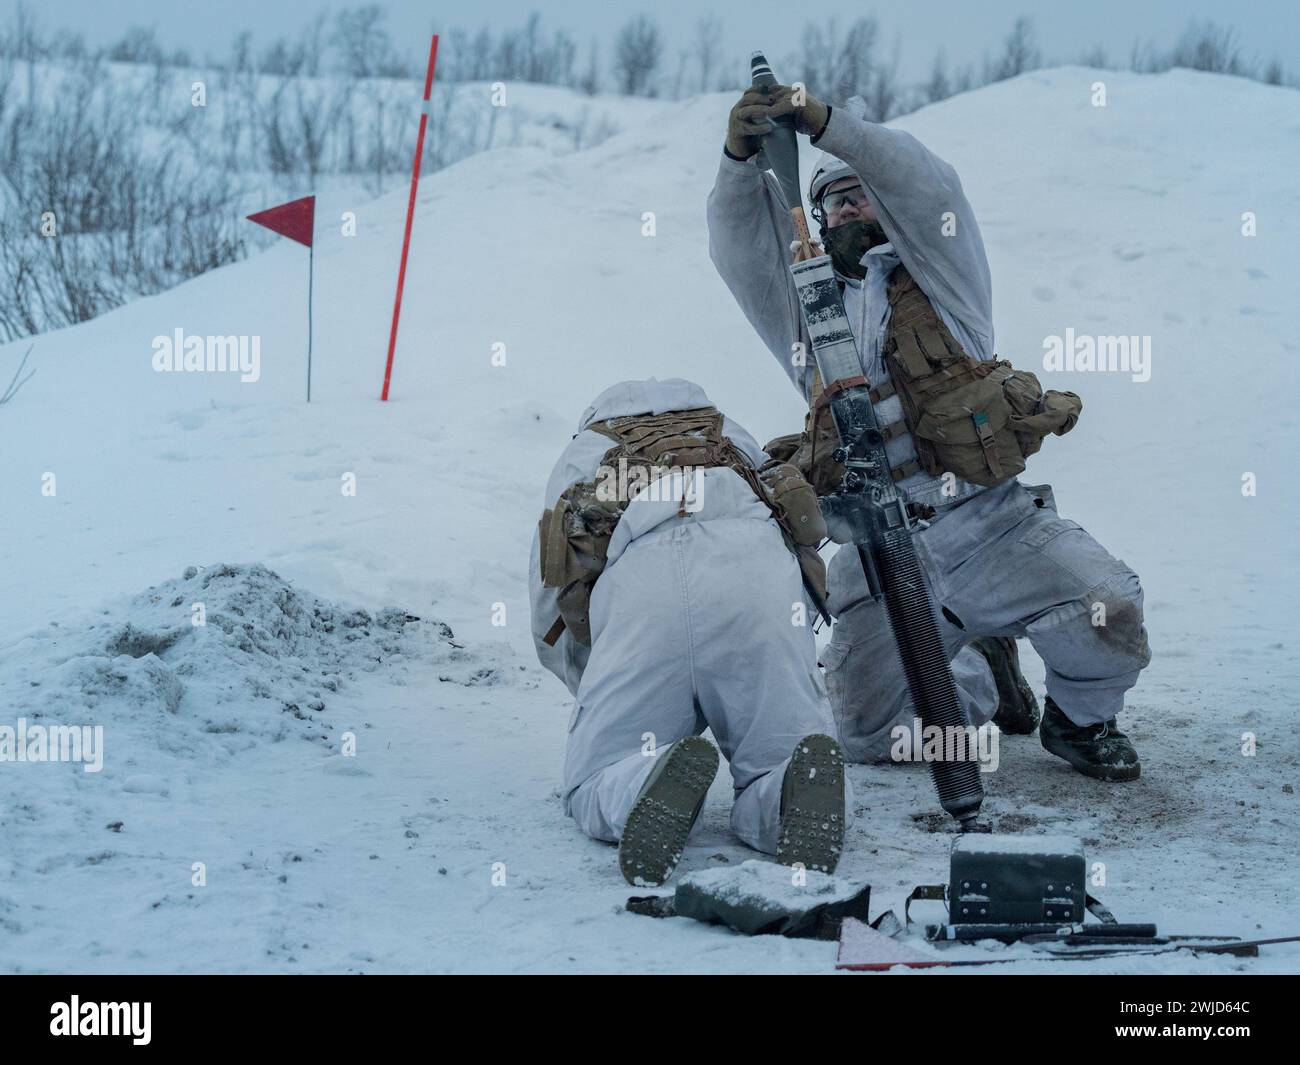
{"x":998,"y":879}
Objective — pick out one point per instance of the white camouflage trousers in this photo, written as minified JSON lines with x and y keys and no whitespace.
{"x":694,"y":626}
{"x":1001,"y":563}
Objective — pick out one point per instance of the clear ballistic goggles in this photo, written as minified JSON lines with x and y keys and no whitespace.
{"x":853,"y":196}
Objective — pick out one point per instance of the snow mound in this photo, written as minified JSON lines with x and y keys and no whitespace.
{"x":226,"y":650}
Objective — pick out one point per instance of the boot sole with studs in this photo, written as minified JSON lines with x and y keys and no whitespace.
{"x":812,"y":814}
{"x":664,"y":813}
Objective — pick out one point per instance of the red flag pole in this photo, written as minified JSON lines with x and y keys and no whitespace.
{"x":311,"y":271}
{"x":410,"y":215}
{"x":297,"y":221}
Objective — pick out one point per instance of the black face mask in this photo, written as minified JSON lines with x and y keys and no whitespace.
{"x":849,"y":242}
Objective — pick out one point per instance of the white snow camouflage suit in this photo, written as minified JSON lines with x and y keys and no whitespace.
{"x":1000,"y":561}
{"x":691,"y":628}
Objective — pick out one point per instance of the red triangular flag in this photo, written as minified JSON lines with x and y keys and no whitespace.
{"x":295,"y":219}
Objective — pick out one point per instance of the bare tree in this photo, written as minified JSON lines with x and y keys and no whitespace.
{"x":705,"y":49}
{"x":964,"y":80}
{"x":23,"y":39}
{"x":886,"y":96}
{"x":281,"y":58}
{"x":139,"y":44}
{"x":14,"y":383}
{"x":241,"y":53}
{"x":856,"y":59}
{"x":637,"y":51}
{"x":1205,"y":46}
{"x":1096,"y":57}
{"x":937,"y":87}
{"x":816,"y":60}
{"x":564,"y":53}
{"x":480,"y":65}
{"x":360,"y":40}
{"x":838,"y":65}
{"x":590,"y":80}
{"x":679,"y":77}
{"x":1019,"y":52}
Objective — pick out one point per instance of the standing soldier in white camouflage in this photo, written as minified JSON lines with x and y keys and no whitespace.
{"x":915,"y":283}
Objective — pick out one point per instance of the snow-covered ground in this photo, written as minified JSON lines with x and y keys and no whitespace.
{"x":442,"y":845}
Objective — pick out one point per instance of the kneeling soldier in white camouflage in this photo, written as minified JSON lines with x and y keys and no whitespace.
{"x":671,"y":581}
{"x":959,"y":424}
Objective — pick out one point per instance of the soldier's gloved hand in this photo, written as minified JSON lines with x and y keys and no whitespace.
{"x":748,"y":124}
{"x":811,"y":117}
{"x":751,"y":117}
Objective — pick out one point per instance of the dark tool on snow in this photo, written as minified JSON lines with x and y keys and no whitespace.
{"x":864,"y":949}
{"x":865,"y":509}
{"x":756,"y":899}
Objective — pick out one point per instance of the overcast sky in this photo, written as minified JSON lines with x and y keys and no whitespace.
{"x":964,"y":28}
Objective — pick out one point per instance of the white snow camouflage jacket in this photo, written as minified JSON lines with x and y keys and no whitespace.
{"x":918,"y":198}
{"x":728,"y":495}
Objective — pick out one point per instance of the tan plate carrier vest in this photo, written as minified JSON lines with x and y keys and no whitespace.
{"x":976,"y":419}
{"x":575,"y":533}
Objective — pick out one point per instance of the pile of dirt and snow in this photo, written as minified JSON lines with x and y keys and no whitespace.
{"x":228,"y":650}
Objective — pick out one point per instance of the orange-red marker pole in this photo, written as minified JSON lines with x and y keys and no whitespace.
{"x":410,"y":214}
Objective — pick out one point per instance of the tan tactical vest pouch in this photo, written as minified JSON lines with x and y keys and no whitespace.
{"x":575,"y":534}
{"x":977,"y":420}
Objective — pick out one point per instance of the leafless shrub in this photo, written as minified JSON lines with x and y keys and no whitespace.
{"x":939,"y":85}
{"x":590,"y":80}
{"x":94,"y":216}
{"x":839,"y":64}
{"x":1096,"y":56}
{"x":637,"y":52}
{"x":1019,"y":52}
{"x":15,"y":383}
{"x":1205,"y":46}
{"x":706,"y":51}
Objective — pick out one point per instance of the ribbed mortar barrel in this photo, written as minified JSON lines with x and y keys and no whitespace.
{"x":929,"y":676}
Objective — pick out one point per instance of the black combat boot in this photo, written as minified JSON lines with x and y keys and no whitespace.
{"x":1017,"y":713}
{"x":1100,"y":751}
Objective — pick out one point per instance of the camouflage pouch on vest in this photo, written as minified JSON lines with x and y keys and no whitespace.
{"x":1035,"y":413}
{"x":812,"y":451}
{"x":793,"y":502}
{"x":574,"y":538}
{"x":977,"y":420}
{"x":782,"y":448}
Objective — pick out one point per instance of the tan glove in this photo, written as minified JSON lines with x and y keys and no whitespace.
{"x":810,"y":117}
{"x":750,"y":118}
{"x":748,"y":124}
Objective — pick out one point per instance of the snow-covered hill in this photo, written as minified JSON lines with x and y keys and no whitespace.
{"x":1124,"y":219}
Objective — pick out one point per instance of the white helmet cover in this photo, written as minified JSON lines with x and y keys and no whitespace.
{"x":827,"y":171}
